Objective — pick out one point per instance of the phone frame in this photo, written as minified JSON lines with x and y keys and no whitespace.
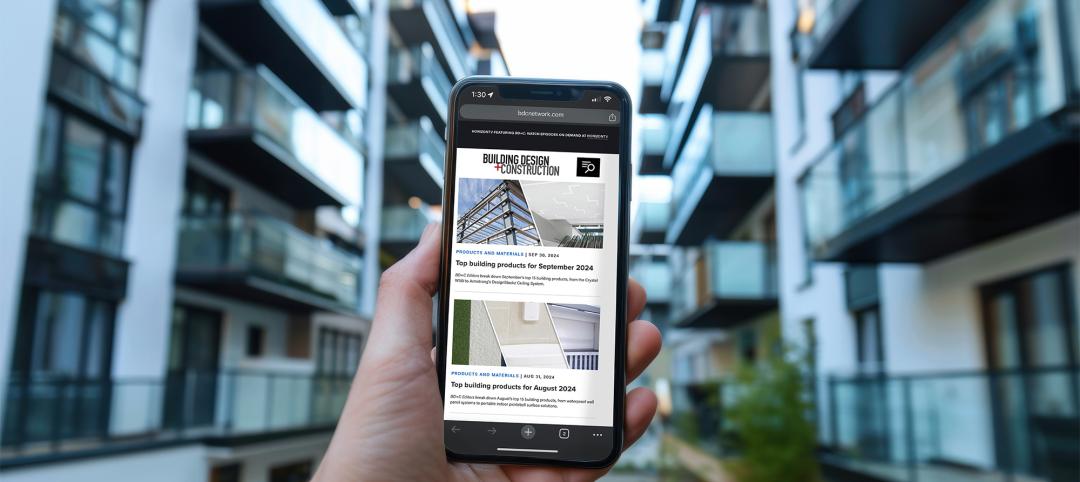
{"x":450,"y":197}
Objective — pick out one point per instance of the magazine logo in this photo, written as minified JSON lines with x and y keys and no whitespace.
{"x":588,"y":167}
{"x":522,"y":164}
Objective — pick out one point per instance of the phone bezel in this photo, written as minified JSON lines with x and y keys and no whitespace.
{"x":449,"y":197}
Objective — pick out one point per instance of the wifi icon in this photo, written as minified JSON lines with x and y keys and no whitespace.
{"x":607,"y":98}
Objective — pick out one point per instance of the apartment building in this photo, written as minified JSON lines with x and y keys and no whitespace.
{"x":706,"y":124}
{"x":434,"y":43}
{"x":194,"y":194}
{"x":927,"y":195}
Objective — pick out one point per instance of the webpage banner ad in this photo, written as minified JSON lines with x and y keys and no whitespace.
{"x":531,"y":326}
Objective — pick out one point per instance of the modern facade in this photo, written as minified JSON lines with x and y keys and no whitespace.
{"x":928,"y":232}
{"x":194,"y":192}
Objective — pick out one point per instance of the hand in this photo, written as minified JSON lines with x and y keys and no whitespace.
{"x":392,"y":427}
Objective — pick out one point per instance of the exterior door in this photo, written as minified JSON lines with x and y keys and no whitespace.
{"x":1031,"y":338}
{"x":192,"y":378}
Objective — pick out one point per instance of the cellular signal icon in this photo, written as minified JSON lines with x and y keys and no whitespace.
{"x":607,"y":98}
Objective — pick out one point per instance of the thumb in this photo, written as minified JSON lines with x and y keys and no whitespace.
{"x":403,"y":308}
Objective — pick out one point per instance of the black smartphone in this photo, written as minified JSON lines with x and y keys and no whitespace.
{"x":532,"y":304}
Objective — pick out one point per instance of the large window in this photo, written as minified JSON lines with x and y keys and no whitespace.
{"x":60,"y":369}
{"x":106,"y":35}
{"x":82,"y":181}
{"x":339,"y":352}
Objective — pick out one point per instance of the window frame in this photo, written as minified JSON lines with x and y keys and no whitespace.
{"x":50,"y":191}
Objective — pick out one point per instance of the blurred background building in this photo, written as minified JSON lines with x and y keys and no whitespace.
{"x":200,"y":195}
{"x":203,"y":195}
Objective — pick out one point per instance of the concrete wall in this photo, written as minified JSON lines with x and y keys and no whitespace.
{"x":27,"y":25}
{"x":143,"y":319}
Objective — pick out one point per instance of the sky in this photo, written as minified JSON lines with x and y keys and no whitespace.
{"x":574,"y":39}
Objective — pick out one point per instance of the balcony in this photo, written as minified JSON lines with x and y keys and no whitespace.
{"x":738,"y":284}
{"x":652,"y":69}
{"x":725,"y":170}
{"x":75,"y":83}
{"x":726,"y":65}
{"x":266,"y":260}
{"x":401,"y":228}
{"x":871,"y":34}
{"x":965,"y":425}
{"x":48,"y":419}
{"x":418,"y":84}
{"x":975,"y":142}
{"x":654,"y":274}
{"x":655,"y":135}
{"x":250,"y":123}
{"x":415,"y":153}
{"x":431,"y":22}
{"x":650,"y":223}
{"x":298,"y":39}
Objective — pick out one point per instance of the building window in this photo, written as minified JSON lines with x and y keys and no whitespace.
{"x":256,"y":341}
{"x":1033,"y":341}
{"x":82,"y":182}
{"x":63,"y":344}
{"x":225,"y":473}
{"x":339,"y":352}
{"x":294,"y":472}
{"x":748,"y":341}
{"x":869,"y":352}
{"x":105,"y":35}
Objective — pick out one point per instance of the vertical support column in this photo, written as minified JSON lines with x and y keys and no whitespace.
{"x":143,"y":320}
{"x":26,"y":34}
{"x":376,"y":129}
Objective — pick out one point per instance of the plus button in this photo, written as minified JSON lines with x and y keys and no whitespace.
{"x":528,"y":432}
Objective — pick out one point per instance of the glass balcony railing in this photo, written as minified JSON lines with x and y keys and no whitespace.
{"x":992,"y":74}
{"x":453,"y":41}
{"x":403,"y":224}
{"x":256,"y":99}
{"x":730,"y":270}
{"x":652,"y":218}
{"x":722,"y":144}
{"x":317,"y":32}
{"x":655,"y":135}
{"x":270,"y":248}
{"x":418,"y":65}
{"x":655,"y":276}
{"x":57,"y":416}
{"x":994,"y":426}
{"x":416,"y":140}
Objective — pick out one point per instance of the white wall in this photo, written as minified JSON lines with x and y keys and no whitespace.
{"x":27,"y":25}
{"x":143,"y":320}
{"x":182,"y":464}
{"x":257,"y":460}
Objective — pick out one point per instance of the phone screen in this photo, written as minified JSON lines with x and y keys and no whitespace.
{"x":532,"y":300}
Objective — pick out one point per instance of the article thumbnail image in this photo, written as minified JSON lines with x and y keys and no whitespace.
{"x":525,"y":334}
{"x":530,"y":213}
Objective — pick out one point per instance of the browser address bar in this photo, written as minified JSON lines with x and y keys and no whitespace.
{"x":520,"y":113}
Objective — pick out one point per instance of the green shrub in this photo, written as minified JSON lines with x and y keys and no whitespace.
{"x":770,"y":414}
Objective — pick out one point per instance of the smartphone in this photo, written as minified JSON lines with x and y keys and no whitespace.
{"x":532,"y":306}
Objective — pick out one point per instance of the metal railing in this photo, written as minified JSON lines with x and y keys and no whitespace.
{"x":270,"y":248}
{"x":71,"y":79}
{"x":996,"y":425}
{"x":256,"y":99}
{"x":46,"y":416}
{"x":995,"y":71}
